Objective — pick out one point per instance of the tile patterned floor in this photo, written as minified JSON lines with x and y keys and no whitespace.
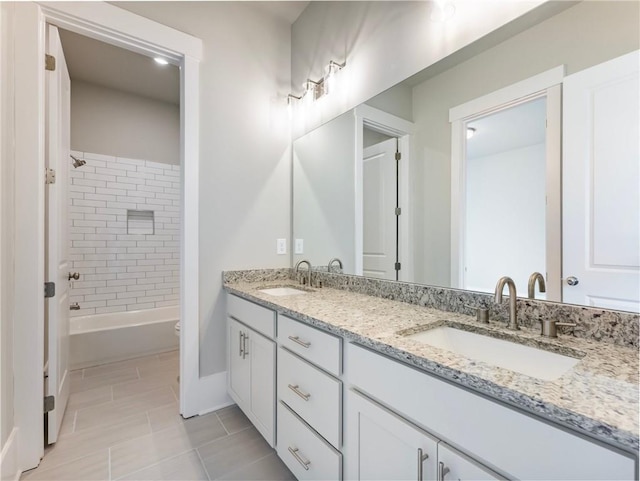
{"x":122,"y":423}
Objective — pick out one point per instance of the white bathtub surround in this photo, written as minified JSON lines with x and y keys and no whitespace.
{"x":101,"y":338}
{"x":119,"y":271}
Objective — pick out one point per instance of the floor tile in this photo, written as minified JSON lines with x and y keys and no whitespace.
{"x":184,"y":467}
{"x":80,"y":444}
{"x":92,"y":467}
{"x":122,"y":375}
{"x":171,"y":355}
{"x":141,"y":386}
{"x":138,"y":453}
{"x":92,"y":397}
{"x":233,"y":419}
{"x":111,"y":412}
{"x":119,"y":365}
{"x":232,"y":452}
{"x":68,"y":422}
{"x":170,"y":367}
{"x":269,"y":468}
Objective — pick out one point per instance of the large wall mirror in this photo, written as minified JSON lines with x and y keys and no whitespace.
{"x":523,"y":158}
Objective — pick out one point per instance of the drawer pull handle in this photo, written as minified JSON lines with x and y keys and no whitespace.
{"x":295,"y":389}
{"x":297,"y":340}
{"x":422,"y":457}
{"x":304,"y":462}
{"x":442,"y":471}
{"x":240,"y":343}
{"x":245,"y":351}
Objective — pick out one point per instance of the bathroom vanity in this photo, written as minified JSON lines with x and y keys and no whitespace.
{"x":344,"y":386}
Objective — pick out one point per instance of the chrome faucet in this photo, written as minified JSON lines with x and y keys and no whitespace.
{"x":531,"y":290}
{"x":304,"y":261}
{"x":332,"y":261}
{"x":513,"y":315}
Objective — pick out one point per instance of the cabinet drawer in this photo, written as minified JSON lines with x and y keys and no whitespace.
{"x":314,"y":345}
{"x":312,"y":394}
{"x":257,"y":317}
{"x":306,"y":454}
{"x":502,"y":438}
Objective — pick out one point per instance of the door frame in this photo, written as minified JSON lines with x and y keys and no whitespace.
{"x":388,"y":124}
{"x":546,"y":84}
{"x":118,"y":27}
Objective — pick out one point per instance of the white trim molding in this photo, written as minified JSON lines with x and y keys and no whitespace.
{"x":546,"y":84}
{"x":513,"y":94}
{"x":9,"y":458}
{"x":402,"y":129}
{"x":119,"y":27}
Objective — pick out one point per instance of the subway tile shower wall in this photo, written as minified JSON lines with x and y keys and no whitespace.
{"x":120,"y":271}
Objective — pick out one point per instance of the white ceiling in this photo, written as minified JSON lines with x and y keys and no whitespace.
{"x":102,"y":64}
{"x":514,"y":128}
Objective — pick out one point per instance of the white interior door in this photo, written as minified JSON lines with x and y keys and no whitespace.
{"x":380,"y":197}
{"x":56,"y":219}
{"x":601,"y":183}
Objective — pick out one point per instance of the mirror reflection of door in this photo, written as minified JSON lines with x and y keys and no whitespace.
{"x":380,"y":199}
{"x":601,"y":190}
{"x":505,"y":171}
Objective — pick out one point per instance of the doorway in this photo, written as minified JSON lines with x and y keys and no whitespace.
{"x":120,"y":28}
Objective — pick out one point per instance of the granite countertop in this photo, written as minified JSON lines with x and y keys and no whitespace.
{"x":599,"y":396}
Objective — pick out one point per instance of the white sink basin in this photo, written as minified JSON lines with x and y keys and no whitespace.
{"x":533,"y":362}
{"x":283,"y":291}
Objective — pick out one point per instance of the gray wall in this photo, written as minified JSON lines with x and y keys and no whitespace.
{"x":580,"y":37}
{"x":324,"y":176}
{"x":245,"y":157}
{"x":112,"y":122}
{"x":382,"y":43}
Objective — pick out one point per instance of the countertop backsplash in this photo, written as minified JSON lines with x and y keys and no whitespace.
{"x":616,"y":327}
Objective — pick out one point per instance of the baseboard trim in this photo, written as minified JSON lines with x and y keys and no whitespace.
{"x":210,"y":393}
{"x":9,"y":458}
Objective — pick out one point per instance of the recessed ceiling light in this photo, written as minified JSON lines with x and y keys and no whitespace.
{"x":470,"y":132}
{"x":161,"y":61}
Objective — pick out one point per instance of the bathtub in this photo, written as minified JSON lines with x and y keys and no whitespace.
{"x":102,"y":338}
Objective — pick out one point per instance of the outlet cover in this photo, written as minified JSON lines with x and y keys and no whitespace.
{"x":299,"y":248}
{"x":281,"y":246}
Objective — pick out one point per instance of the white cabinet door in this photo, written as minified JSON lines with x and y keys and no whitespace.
{"x":383,"y":446}
{"x":261,"y":354}
{"x":239,"y":381}
{"x":453,"y":465}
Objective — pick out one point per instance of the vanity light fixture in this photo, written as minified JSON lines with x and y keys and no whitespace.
{"x":442,"y":10}
{"x":160,"y":61}
{"x":314,"y":90}
{"x":291,"y":98}
{"x":470,"y":132}
{"x":330,"y":79}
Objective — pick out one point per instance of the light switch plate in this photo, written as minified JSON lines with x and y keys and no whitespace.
{"x":281,"y":246}
{"x":299,"y":247}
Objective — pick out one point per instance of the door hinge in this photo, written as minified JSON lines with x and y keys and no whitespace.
{"x":398,"y":210}
{"x":49,"y":403}
{"x":398,"y":156}
{"x":49,"y":62}
{"x":49,"y":289}
{"x":50,"y":177}
{"x":398,"y":266}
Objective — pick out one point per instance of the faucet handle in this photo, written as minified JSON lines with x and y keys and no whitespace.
{"x":482,"y":313}
{"x":549,"y":327}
